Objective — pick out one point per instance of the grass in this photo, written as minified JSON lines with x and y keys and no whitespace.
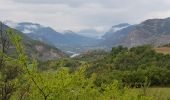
{"x":157,"y":93}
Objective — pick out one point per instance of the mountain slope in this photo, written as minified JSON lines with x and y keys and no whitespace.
{"x":153,"y":31}
{"x":93,"y":33}
{"x":115,"y":29}
{"x":38,"y":49}
{"x":116,"y":34}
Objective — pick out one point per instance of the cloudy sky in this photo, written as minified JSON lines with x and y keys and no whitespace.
{"x":83,"y":14}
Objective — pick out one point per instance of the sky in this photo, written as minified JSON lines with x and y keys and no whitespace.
{"x":83,"y":14}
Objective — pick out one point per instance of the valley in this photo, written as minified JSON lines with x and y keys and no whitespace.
{"x":84,"y":49}
{"x":128,"y":61}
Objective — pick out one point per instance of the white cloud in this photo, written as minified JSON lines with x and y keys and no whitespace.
{"x":27,"y":31}
{"x":31,"y":27}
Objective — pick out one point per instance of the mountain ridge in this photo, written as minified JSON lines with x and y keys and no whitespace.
{"x":67,"y":40}
{"x":153,"y":32}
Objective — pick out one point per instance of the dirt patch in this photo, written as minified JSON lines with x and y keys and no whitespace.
{"x":164,"y":50}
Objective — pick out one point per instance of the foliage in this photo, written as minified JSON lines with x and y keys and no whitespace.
{"x":21,"y":80}
{"x":132,"y":66}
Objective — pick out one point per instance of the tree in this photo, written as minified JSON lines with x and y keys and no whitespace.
{"x":8,"y":67}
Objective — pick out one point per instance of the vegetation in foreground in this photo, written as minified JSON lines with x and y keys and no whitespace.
{"x":108,"y":76}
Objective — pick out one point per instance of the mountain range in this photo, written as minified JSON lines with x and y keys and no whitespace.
{"x":154,"y":32}
{"x":67,"y":40}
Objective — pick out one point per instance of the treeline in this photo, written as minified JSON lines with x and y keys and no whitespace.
{"x":133,"y":66}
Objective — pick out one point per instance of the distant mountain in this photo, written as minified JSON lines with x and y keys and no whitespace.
{"x":153,"y":31}
{"x":68,"y":40}
{"x":75,"y":39}
{"x":115,"y":29}
{"x":116,"y":34}
{"x":90,"y":33}
{"x":38,"y":49}
{"x":38,"y":32}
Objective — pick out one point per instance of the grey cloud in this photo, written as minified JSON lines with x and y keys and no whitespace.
{"x":79,"y":14}
{"x":107,"y":3}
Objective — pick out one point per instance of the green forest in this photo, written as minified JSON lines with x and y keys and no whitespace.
{"x":122,"y":74}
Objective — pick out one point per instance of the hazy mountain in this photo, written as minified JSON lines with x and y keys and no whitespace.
{"x":114,"y":29}
{"x":73,"y":38}
{"x":153,"y":31}
{"x":38,"y":49}
{"x":91,"y":33}
{"x":68,"y":40}
{"x":116,"y":34}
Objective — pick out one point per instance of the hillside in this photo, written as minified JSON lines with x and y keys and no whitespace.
{"x":155,"y":32}
{"x":37,"y":49}
{"x":115,"y":37}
